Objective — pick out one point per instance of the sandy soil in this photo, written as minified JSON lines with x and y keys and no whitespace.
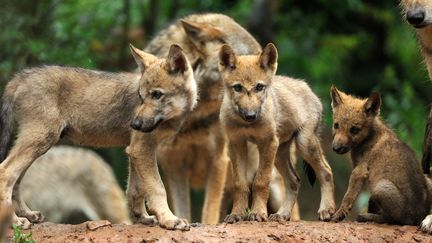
{"x":300,"y":231}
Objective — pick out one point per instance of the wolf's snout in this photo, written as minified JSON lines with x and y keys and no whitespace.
{"x":340,"y":149}
{"x":249,"y":116}
{"x":416,"y":16}
{"x":136,"y":124}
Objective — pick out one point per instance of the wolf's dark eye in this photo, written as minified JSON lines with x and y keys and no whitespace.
{"x":354,"y":130}
{"x":156,"y":94}
{"x":259,"y":87}
{"x":336,"y":125}
{"x":237,"y":87}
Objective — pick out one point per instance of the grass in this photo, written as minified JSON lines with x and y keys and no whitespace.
{"x":20,"y":237}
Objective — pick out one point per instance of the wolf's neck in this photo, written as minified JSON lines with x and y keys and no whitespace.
{"x":425,"y":40}
{"x":379,"y":129}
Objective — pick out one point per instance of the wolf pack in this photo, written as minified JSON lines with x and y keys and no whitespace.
{"x":207,"y":107}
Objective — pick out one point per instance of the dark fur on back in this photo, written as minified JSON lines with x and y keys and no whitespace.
{"x":6,"y":125}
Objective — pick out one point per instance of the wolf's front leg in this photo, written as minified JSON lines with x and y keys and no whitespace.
{"x":237,"y":151}
{"x":141,"y":153}
{"x":136,"y":199}
{"x":261,"y":182}
{"x":356,"y":182}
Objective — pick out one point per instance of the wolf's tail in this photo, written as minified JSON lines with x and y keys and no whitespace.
{"x":6,"y":123}
{"x":427,"y":145}
{"x":310,"y":173}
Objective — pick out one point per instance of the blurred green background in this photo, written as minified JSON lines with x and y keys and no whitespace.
{"x":359,"y":46}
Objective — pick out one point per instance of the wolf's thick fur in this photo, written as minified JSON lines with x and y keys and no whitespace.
{"x":97,"y":109}
{"x":5,"y":223}
{"x":273,"y":112}
{"x":381,"y":160}
{"x":419,"y":14}
{"x":67,"y":180}
{"x":197,"y":157}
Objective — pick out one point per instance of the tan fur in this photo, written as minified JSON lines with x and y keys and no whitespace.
{"x":5,"y":223}
{"x":97,"y":109}
{"x":197,"y":157}
{"x":277,"y":188}
{"x":273,"y":112}
{"x":380,"y":160}
{"x":67,"y":180}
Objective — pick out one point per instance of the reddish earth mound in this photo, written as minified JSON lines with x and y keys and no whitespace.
{"x":241,"y":232}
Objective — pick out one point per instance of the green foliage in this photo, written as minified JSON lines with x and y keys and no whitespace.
{"x":359,"y":46}
{"x":20,"y":237}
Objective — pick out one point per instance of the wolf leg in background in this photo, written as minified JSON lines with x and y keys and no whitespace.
{"x":67,"y":180}
{"x":272,"y":112}
{"x":201,"y":36}
{"x":154,"y":102}
{"x":380,"y":160}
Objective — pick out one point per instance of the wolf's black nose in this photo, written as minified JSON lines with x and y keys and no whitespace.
{"x":415,"y":16}
{"x":250,"y":116}
{"x":136,"y":124}
{"x":340,"y":149}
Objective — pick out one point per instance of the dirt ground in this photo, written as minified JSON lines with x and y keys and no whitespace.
{"x":300,"y":231}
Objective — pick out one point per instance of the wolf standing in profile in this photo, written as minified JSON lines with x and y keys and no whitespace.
{"x":419,"y":14}
{"x":97,"y":109}
{"x":273,"y":112}
{"x":400,"y":192}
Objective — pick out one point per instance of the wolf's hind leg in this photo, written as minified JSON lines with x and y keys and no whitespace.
{"x":291,"y":181}
{"x":393,"y":203}
{"x":309,"y":146}
{"x":371,"y":217}
{"x":33,"y":140}
{"x":215,"y":186}
{"x":21,"y":208}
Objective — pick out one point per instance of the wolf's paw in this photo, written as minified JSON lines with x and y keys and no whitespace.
{"x":338,"y":216}
{"x":21,"y":222}
{"x":326,"y":214}
{"x":34,"y":216}
{"x":426,"y":224}
{"x":175,"y":224}
{"x":233,"y":218}
{"x":146,"y":220}
{"x":276,"y":217}
{"x":260,"y":217}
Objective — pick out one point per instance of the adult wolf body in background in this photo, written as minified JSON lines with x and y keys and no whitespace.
{"x":98,"y":109}
{"x":69,"y":180}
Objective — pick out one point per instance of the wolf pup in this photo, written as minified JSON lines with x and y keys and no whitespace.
{"x":381,"y":160}
{"x":273,"y":112}
{"x":198,"y":157}
{"x":98,"y":109}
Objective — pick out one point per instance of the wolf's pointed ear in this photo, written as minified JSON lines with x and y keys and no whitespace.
{"x":268,"y":58}
{"x":227,"y":58}
{"x":176,"y":61}
{"x":197,"y":31}
{"x":335,"y":97}
{"x":143,"y":59}
{"x":373,"y":104}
